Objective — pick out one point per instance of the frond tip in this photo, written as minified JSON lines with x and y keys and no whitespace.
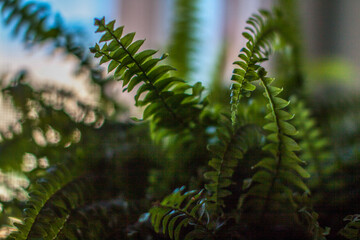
{"x":260,"y":32}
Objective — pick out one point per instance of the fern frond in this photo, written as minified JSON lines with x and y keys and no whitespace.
{"x":227,"y":152}
{"x":183,"y":39}
{"x":313,"y":145}
{"x":179,"y":210}
{"x":260,"y":32}
{"x":166,"y":102}
{"x":352,"y":229}
{"x":52,"y":199}
{"x":281,"y":172}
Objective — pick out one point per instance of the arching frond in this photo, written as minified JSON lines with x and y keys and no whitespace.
{"x":313,"y":145}
{"x":260,"y":32}
{"x":166,"y":100}
{"x":281,"y":172}
{"x":52,"y":199}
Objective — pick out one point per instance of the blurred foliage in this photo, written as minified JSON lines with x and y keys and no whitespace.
{"x":261,"y":168}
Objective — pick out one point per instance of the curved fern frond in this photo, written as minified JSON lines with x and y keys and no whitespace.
{"x":313,"y":145}
{"x":166,"y":100}
{"x":179,"y":210}
{"x":280,"y":173}
{"x":227,"y":152}
{"x":260,"y":32}
{"x":52,"y":199}
{"x":352,"y":229}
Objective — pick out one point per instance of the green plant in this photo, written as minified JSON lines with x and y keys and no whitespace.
{"x":247,"y":176}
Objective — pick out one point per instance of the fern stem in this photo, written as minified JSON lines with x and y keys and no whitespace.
{"x":62,"y":226}
{"x":175,"y":116}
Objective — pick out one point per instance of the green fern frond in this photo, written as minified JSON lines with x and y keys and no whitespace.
{"x":280,"y":173}
{"x":260,"y":32}
{"x":179,"y":210}
{"x":313,"y":145}
{"x":352,"y":229}
{"x":227,"y":152}
{"x":52,"y":199}
{"x":166,"y":100}
{"x":183,"y":38}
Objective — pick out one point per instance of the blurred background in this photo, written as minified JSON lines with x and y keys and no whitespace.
{"x":330,"y":40}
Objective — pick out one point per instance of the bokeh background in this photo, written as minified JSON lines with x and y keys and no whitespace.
{"x":331,"y":34}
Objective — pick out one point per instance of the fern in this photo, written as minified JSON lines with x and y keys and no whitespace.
{"x":281,"y":171}
{"x":227,"y":152}
{"x":183,"y":38}
{"x":261,"y":30}
{"x":313,"y":145}
{"x":166,"y":102}
{"x":352,"y":229}
{"x":52,"y":200}
{"x":179,"y":210}
{"x":85,"y":200}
